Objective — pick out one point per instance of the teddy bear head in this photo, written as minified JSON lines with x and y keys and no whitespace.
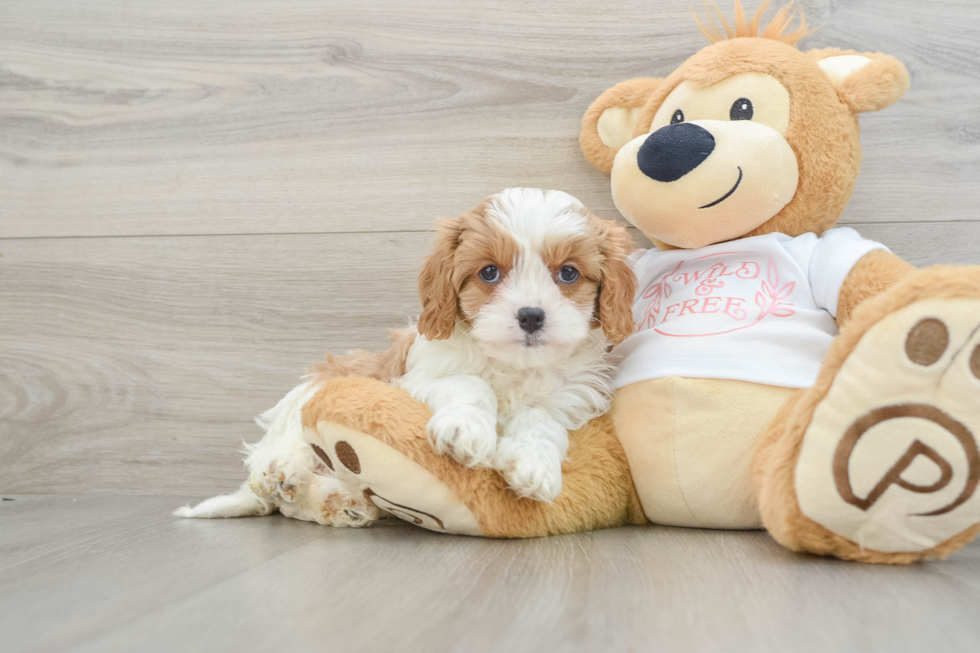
{"x":748,"y":136}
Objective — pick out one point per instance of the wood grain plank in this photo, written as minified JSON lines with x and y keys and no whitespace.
{"x":136,"y":579}
{"x":83,"y":566}
{"x":307,"y":117}
{"x":129,"y":360}
{"x":688,"y":589}
{"x":135,"y":365}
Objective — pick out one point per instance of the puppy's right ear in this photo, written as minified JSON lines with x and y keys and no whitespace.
{"x":609,"y":123}
{"x":436,"y":287}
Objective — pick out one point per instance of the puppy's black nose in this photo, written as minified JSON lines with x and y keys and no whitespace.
{"x":531,"y":319}
{"x":673,"y":151}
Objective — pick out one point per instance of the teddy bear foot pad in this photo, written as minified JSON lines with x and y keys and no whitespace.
{"x":890,"y":459}
{"x":389,"y":480}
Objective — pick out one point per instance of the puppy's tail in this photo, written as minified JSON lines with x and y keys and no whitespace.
{"x":243,"y":503}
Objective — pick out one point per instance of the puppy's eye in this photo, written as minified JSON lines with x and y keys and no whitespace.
{"x":677,"y":117}
{"x":741,"y":109}
{"x":490,"y":274}
{"x":568,"y":274}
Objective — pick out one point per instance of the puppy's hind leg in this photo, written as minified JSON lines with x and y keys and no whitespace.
{"x":327,"y":501}
{"x":279,"y":464}
{"x":243,"y":503}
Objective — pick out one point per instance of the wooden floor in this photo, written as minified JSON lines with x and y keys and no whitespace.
{"x":119,"y":574}
{"x":197,"y":199}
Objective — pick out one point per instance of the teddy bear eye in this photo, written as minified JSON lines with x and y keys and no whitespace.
{"x":741,"y":109}
{"x":677,"y":117}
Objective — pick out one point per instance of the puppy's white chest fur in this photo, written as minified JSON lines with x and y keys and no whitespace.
{"x":510,"y":413}
{"x":571,"y":385}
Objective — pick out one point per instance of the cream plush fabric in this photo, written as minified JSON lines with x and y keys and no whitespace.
{"x":678,"y":433}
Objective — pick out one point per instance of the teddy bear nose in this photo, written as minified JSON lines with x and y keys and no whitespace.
{"x":673,"y":151}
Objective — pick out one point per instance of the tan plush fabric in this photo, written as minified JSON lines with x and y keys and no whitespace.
{"x":717,"y":453}
{"x":597,"y":489}
{"x":678,"y":433}
{"x":627,"y":96}
{"x":871,"y":276}
{"x":778,"y":28}
{"x":389,"y":480}
{"x":828,"y":167}
{"x":775,"y":463}
{"x":677,"y":217}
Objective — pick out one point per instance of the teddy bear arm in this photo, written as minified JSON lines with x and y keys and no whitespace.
{"x":874,"y":273}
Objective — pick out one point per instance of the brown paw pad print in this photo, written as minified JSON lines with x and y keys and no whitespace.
{"x":345,"y":454}
{"x":842,"y":457}
{"x":927,"y":341}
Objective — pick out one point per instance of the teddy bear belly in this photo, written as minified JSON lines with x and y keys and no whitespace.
{"x":689,"y":443}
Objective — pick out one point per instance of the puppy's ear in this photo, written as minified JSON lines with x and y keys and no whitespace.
{"x":610,"y":120}
{"x":618,"y":282}
{"x":436,"y":288}
{"x":864,"y":81}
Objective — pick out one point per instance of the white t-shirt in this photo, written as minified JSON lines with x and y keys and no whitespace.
{"x":760,"y":309}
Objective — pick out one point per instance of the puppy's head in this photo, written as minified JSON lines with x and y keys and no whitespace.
{"x":531,"y":272}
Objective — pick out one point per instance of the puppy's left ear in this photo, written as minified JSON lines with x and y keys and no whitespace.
{"x":864,"y":81}
{"x":436,"y":287}
{"x":615,"y":303}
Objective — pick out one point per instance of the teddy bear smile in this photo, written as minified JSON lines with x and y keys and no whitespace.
{"x":726,"y":195}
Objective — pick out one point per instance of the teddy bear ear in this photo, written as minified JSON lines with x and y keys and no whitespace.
{"x":611,"y":119}
{"x":864,"y":81}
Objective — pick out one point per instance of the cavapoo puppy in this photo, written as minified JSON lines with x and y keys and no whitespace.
{"x":522,"y":299}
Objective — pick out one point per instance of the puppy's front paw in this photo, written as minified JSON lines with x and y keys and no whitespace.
{"x":531,"y":469}
{"x":467,"y":434}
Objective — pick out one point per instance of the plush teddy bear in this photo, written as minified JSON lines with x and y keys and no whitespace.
{"x":784,"y":373}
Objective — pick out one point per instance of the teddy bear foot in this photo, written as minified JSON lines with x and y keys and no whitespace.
{"x":887,"y":468}
{"x":377,"y":475}
{"x":890,"y":459}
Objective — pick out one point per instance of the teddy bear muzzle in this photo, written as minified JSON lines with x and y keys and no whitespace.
{"x":693,"y":184}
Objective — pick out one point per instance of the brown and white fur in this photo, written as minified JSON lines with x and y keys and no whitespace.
{"x":522,"y":298}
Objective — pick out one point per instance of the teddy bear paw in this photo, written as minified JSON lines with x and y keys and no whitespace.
{"x":890,"y":458}
{"x":386,"y":481}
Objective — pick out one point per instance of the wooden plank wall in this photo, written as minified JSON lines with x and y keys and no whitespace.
{"x":198,"y":199}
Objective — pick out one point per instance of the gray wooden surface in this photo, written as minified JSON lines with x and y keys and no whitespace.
{"x":198,"y":199}
{"x":119,"y":574}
